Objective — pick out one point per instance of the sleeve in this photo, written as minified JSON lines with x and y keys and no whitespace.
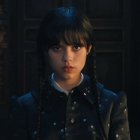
{"x":17,"y":121}
{"x":119,"y":126}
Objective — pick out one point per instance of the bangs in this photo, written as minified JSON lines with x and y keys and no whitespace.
{"x":69,"y":37}
{"x":65,"y":25}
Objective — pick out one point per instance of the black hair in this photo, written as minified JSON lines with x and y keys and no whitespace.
{"x":69,"y":25}
{"x":65,"y":24}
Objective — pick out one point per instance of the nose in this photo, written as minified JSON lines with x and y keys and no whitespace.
{"x":67,"y":55}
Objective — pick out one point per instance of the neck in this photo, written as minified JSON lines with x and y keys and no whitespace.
{"x":68,"y":84}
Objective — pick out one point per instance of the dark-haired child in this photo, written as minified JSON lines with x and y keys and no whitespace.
{"x":70,"y":104}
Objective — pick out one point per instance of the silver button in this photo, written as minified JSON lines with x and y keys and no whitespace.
{"x":54,"y":123}
{"x":62,"y":130}
{"x":74,"y":102}
{"x":117,"y":135}
{"x":92,"y":126}
{"x":35,"y":132}
{"x":93,"y":132}
{"x":85,"y":94}
{"x":84,"y":120}
{"x":71,"y":91}
{"x":73,"y":108}
{"x":72,"y":120}
{"x":108,"y":124}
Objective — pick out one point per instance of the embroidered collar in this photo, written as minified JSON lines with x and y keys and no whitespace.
{"x":50,"y":94}
{"x":59,"y":88}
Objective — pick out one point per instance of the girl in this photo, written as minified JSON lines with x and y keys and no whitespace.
{"x":70,"y":104}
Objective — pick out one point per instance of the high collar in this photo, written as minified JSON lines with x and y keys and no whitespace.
{"x":50,"y":95}
{"x":59,"y":88}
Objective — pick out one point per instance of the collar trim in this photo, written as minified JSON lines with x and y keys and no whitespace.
{"x":59,"y":88}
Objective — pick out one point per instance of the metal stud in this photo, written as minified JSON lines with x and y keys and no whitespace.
{"x":54,"y":123}
{"x":72,"y":91}
{"x":92,"y":126}
{"x":62,"y":130}
{"x":84,"y":120}
{"x":73,"y":108}
{"x":85,"y":94}
{"x":74,"y":102}
{"x":35,"y":132}
{"x":122,"y":129}
{"x":72,"y":120}
{"x":108,"y":124}
{"x":117,"y":135}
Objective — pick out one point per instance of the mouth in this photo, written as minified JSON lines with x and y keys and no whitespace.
{"x":68,"y":69}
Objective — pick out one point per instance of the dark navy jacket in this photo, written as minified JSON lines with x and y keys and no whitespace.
{"x":73,"y":117}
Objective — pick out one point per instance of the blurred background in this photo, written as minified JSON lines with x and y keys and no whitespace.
{"x":116,"y":26}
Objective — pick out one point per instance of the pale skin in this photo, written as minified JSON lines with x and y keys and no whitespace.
{"x":67,"y":62}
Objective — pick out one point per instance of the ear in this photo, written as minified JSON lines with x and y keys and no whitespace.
{"x":89,"y":49}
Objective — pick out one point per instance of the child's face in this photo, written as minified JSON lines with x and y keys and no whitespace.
{"x":67,"y":61}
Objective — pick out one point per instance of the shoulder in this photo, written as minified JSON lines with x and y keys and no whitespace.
{"x":108,"y":94}
{"x":26,"y":99}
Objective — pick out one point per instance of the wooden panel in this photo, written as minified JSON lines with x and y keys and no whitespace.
{"x":3,"y":53}
{"x":3,"y":75}
{"x":1,"y":6}
{"x":36,"y":9}
{"x":30,"y":34}
{"x":110,"y":69}
{"x":3,"y":70}
{"x":104,"y":8}
{"x":3,"y":36}
{"x":30,"y":74}
{"x":110,"y":35}
{"x":81,"y":4}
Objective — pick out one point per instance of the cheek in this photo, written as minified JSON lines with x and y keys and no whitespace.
{"x":54,"y":61}
{"x":81,"y":60}
{"x":51,"y":57}
{"x":51,"y":60}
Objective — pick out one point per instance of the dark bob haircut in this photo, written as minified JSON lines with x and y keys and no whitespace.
{"x":64,"y":24}
{"x":71,"y":26}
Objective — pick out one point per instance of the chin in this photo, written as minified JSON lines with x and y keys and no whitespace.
{"x":68,"y":76}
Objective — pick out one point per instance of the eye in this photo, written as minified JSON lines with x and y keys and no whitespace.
{"x":56,"y":48}
{"x":76,"y":47}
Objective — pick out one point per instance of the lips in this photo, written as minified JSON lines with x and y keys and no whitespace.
{"x":68,"y":69}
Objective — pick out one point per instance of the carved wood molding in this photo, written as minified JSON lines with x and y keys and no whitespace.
{"x":3,"y":36}
{"x":2,"y":75}
{"x":3,"y":48}
{"x":1,"y":6}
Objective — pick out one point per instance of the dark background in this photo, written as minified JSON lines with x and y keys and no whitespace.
{"x":117,"y":27}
